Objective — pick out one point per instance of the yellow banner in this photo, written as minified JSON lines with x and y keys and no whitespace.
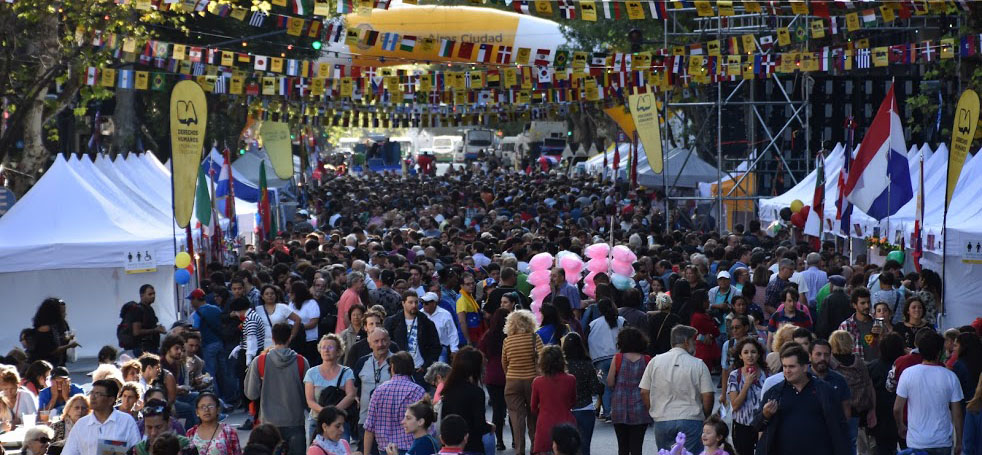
{"x":962,"y":132}
{"x":188,"y":119}
{"x":644,"y":110}
{"x":279,"y":147}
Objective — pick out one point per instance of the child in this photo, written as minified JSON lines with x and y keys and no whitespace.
{"x":453,"y":434}
{"x":565,"y":439}
{"x":714,"y":434}
{"x":330,"y":422}
{"x":419,"y":417}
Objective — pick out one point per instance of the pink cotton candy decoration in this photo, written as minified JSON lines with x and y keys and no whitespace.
{"x":597,"y":265}
{"x":541,"y":261}
{"x":597,"y":250}
{"x":622,"y":268}
{"x":624,"y":254}
{"x":539,"y":278}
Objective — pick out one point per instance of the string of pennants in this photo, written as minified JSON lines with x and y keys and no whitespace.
{"x":658,"y":9}
{"x":528,"y":84}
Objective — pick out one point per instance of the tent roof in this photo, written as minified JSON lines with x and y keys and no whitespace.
{"x":694,"y":169}
{"x":69,"y":219}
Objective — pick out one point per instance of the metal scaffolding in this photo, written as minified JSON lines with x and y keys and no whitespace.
{"x":776,"y":112}
{"x":789,"y":94}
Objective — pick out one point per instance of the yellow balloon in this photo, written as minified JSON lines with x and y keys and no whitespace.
{"x":796,"y":205}
{"x":182,"y":260}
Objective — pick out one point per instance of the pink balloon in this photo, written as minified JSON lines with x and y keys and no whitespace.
{"x":597,"y":250}
{"x":623,"y":253}
{"x":597,"y":265}
{"x":541,"y":261}
{"x":539,"y":278}
{"x":623,"y":268}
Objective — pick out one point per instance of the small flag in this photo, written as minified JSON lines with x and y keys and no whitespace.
{"x":484,"y":53}
{"x":541,"y":57}
{"x":408,"y":43}
{"x":446,"y":48}
{"x":390,"y":41}
{"x":261,"y":63}
{"x":465,"y":50}
{"x":299,"y":8}
{"x":257,"y":19}
{"x":504,"y":55}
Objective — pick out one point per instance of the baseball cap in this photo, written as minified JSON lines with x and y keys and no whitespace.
{"x":430,"y":297}
{"x":196,"y":294}
{"x":59,"y":372}
{"x":723,"y":274}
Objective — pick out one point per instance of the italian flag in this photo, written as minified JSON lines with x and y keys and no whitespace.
{"x":446,"y":48}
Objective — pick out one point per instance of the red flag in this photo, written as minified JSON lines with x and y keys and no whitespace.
{"x":264,"y":208}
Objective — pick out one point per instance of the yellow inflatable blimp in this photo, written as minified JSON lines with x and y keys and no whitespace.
{"x":461,"y":24}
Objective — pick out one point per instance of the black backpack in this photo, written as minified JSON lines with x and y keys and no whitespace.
{"x":124,"y":331}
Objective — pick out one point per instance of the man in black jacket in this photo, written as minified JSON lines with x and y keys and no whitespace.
{"x":417,"y":335}
{"x":802,"y":415}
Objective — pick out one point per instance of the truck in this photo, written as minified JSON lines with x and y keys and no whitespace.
{"x":444,"y":147}
{"x":510,"y":150}
{"x":475,"y":140}
{"x":546,"y":137}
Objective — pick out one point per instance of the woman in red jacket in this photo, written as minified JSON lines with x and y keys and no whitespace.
{"x":553,"y":396}
{"x":706,"y":347}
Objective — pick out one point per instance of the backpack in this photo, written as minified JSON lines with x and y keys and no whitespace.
{"x":231,"y":329}
{"x":124,"y":331}
{"x":261,"y":366}
{"x":332,"y":394}
{"x":859,"y":385}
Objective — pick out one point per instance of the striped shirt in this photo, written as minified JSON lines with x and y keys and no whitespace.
{"x":517,"y":358}
{"x":253,"y":335}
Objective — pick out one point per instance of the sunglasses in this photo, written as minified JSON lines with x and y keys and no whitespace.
{"x":44,"y":440}
{"x":154,"y":410}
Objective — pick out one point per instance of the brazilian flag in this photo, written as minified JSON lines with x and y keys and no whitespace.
{"x":158,"y":82}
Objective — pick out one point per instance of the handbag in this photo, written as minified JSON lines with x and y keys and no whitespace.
{"x":332,"y":394}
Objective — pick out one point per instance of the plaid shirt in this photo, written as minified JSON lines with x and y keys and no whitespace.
{"x":387,"y":408}
{"x":849,"y":325}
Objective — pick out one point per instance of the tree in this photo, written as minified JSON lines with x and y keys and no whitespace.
{"x":47,"y":48}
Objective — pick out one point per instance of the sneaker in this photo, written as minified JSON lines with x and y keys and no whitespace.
{"x":500,"y":446}
{"x":247,"y":425}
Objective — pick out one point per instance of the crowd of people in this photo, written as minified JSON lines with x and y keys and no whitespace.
{"x":401,"y":319}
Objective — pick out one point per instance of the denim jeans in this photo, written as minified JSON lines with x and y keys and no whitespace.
{"x":184,"y":406}
{"x":666,"y":431}
{"x":585,"y":421}
{"x":604,"y":366}
{"x":853,"y":433}
{"x":935,"y":451}
{"x":489,"y":442}
{"x":211,"y":353}
{"x":294,"y":437}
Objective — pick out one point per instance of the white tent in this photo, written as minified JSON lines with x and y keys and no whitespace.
{"x":694,"y":169}
{"x":805,"y":189}
{"x":70,"y":237}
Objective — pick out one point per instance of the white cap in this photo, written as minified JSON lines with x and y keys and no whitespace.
{"x":430,"y":297}
{"x":723,"y":274}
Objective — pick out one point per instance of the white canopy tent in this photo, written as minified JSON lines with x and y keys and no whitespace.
{"x":70,"y":237}
{"x":694,"y":169}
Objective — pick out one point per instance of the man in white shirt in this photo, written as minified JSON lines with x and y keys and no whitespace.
{"x":104,"y":427}
{"x":678,"y":391}
{"x":932,"y":395}
{"x":444,"y":323}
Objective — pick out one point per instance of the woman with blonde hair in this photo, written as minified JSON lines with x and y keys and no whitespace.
{"x":519,"y":358}
{"x":328,"y":384}
{"x":75,"y":408}
{"x":778,"y":339}
{"x":862,"y":402}
{"x":17,"y":399}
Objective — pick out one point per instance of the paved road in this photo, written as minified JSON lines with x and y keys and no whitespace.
{"x":604,"y":441}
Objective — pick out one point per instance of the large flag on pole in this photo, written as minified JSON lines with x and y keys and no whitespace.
{"x":813,"y":224}
{"x":229,"y":180}
{"x":264,"y":213}
{"x":919,"y":221}
{"x":202,"y":204}
{"x":843,"y":208}
{"x":882,"y":153}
